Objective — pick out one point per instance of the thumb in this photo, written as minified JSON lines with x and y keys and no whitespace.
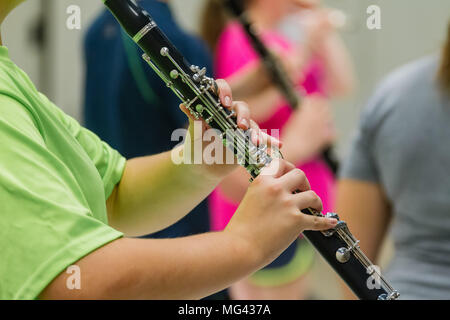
{"x":187,"y":112}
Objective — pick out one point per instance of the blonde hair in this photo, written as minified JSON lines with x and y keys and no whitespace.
{"x":444,"y":70}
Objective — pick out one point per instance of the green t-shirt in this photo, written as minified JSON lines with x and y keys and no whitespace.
{"x":55,"y":177}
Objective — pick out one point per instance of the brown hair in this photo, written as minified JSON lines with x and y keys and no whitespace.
{"x":213,"y":20}
{"x":444,"y":70}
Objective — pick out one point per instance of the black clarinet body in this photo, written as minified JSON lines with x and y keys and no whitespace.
{"x":197,"y":92}
{"x":353,"y":272}
{"x":274,"y":68}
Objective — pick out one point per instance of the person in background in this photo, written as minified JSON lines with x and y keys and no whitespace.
{"x":396,"y":177}
{"x":128,"y":105}
{"x":68,"y":199}
{"x":321,"y":68}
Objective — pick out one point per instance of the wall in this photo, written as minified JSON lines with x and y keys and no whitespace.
{"x":16,"y":34}
{"x":410,"y":29}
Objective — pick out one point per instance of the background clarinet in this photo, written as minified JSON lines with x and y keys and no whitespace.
{"x":274,"y":68}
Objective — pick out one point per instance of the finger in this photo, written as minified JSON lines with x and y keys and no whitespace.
{"x":315,"y":223}
{"x":225,"y":95}
{"x":254,"y":131}
{"x":295,"y":180}
{"x":266,"y":139}
{"x":192,"y":119}
{"x":277,"y":168}
{"x":187,"y":112}
{"x":242,"y":114}
{"x":308,"y":199}
{"x":259,"y":137}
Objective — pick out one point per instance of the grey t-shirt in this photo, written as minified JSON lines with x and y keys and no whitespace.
{"x":403,"y":144}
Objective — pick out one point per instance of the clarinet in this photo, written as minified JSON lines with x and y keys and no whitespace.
{"x":274,"y":68}
{"x":198,"y":93}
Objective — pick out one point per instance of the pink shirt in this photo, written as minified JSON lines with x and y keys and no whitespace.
{"x":234,"y":52}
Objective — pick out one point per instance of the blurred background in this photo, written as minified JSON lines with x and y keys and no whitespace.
{"x":52,"y":55}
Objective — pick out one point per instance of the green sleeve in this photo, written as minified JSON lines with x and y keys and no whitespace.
{"x":44,"y":227}
{"x":109,"y":163}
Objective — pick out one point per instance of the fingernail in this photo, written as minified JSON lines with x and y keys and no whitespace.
{"x":276,"y":142}
{"x":244,"y":123}
{"x":227,"y":101}
{"x":332,"y":221}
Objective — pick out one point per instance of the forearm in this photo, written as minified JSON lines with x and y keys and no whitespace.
{"x":263,"y":104}
{"x":364,"y":207}
{"x":184,"y":268}
{"x":252,"y":85}
{"x":339,"y":73}
{"x":249,"y":81}
{"x":235,"y":185}
{"x":294,"y":150}
{"x":155,"y":192}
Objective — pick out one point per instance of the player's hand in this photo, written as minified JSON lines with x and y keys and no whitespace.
{"x":200,"y":137}
{"x":269,"y":217}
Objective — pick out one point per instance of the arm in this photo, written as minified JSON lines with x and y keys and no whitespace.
{"x":308,"y":131}
{"x":339,"y":73}
{"x":235,"y":185}
{"x":154,"y":192}
{"x":263,"y":103}
{"x":365,"y":208}
{"x":183,"y":268}
{"x":266,"y":223}
{"x":324,"y":42}
{"x":249,"y":80}
{"x":252,"y":84}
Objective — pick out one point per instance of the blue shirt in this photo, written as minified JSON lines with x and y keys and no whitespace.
{"x":128,"y":105}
